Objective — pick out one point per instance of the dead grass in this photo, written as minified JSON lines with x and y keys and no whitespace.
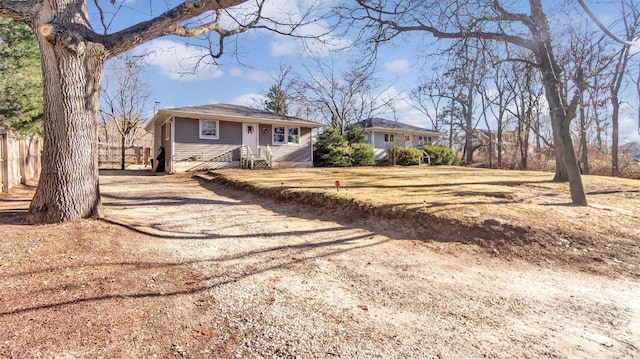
{"x":502,"y":211}
{"x":446,"y":191}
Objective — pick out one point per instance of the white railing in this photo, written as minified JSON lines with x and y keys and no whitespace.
{"x":269,"y":156}
{"x":425,"y":154}
{"x":246,"y":157}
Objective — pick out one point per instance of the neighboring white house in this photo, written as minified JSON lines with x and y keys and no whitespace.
{"x":221,"y":136}
{"x":382,"y":133}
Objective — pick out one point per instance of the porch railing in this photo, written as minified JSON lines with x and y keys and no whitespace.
{"x":425,"y":154}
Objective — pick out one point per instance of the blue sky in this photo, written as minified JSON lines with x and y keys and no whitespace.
{"x":245,"y":80}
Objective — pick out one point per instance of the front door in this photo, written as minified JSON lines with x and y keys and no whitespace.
{"x":250,"y":137}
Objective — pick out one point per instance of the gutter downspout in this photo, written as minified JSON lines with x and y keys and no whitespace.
{"x":173,"y":143}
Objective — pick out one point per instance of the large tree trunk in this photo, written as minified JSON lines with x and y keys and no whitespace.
{"x":566,"y":161}
{"x":72,"y":68}
{"x":584,"y":146}
{"x":561,"y":172}
{"x":614,"y":134}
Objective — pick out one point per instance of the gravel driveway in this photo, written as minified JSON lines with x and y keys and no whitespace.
{"x":283,"y":280}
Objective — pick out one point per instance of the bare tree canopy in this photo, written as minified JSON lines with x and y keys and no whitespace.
{"x":341,"y":97}
{"x":125,"y":98}
{"x":511,"y":23}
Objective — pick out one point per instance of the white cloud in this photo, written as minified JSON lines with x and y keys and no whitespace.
{"x":179,"y":61}
{"x":283,"y":46}
{"x":249,"y":99}
{"x":235,"y":72}
{"x":283,"y":14}
{"x":258,"y":76}
{"x":398,"y":66}
{"x":628,"y":130}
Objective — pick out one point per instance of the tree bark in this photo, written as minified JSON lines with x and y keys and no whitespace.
{"x":584,"y":146}
{"x":565,"y":154}
{"x":72,"y":68}
{"x":566,"y":161}
{"x":615,"y":103}
{"x":123,"y":152}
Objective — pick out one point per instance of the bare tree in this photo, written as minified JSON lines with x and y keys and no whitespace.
{"x":279,"y":96}
{"x":464,"y":76}
{"x":341,"y":99}
{"x":630,"y":18}
{"x":125,"y":99}
{"x":588,"y":54}
{"x":382,"y":20}
{"x":499,"y":80}
{"x":425,"y":99}
{"x":73,"y":57}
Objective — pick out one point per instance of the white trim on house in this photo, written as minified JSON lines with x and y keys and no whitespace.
{"x":172,"y":155}
{"x":165,"y":115}
{"x":286,"y":136}
{"x":254,"y":138}
{"x":201,"y":128}
{"x":431,"y":134}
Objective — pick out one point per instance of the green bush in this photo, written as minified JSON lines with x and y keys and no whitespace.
{"x":332,"y":150}
{"x":403,"y":156}
{"x":355,"y":135}
{"x":393,"y":152}
{"x":362,"y":154}
{"x":409,"y":156}
{"x":440,"y":154}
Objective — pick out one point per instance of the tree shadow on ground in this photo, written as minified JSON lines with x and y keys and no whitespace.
{"x":258,"y":261}
{"x":399,"y":224}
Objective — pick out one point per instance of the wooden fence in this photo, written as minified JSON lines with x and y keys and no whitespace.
{"x":110,"y":156}
{"x":19,"y":159}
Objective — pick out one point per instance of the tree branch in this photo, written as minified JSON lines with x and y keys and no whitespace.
{"x":486,"y":35}
{"x":577,"y":96}
{"x":164,"y":24}
{"x":602,"y":26}
{"x":19,"y":10}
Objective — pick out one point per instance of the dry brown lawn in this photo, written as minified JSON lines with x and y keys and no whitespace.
{"x":508,"y":213}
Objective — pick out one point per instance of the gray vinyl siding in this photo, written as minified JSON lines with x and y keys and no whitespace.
{"x":193,"y":153}
{"x":367,"y":137}
{"x":379,"y":139}
{"x":189,"y":146}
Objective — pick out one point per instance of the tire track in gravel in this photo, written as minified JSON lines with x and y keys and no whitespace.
{"x":311,"y":283}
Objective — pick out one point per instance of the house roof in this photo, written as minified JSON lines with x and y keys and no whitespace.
{"x":226,"y":112}
{"x":381,"y":124}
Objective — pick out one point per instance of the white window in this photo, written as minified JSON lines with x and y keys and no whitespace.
{"x":278,"y":135}
{"x":283,"y":135}
{"x":294,"y":135}
{"x":209,"y":130}
{"x":424,"y":140}
{"x":389,"y":137}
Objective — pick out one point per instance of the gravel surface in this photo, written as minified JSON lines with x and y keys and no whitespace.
{"x":187,"y":268}
{"x":292,"y":281}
